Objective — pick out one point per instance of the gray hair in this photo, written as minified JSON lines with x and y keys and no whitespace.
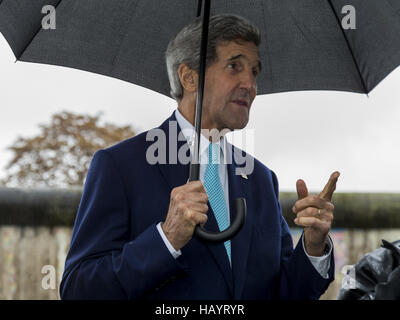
{"x":185,"y":46}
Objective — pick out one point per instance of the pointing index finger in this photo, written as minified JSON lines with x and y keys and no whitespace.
{"x":330,"y":187}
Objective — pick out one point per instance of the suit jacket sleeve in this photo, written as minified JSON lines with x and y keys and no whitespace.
{"x":299,"y":279}
{"x":104,"y":262}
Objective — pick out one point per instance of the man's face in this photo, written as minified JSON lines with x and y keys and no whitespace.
{"x":230,"y":86}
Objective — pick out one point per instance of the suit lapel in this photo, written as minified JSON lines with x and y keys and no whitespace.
{"x":174,"y":172}
{"x":177,"y":175}
{"x":240,"y":245}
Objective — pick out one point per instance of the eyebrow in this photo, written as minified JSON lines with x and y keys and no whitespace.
{"x":242,"y":56}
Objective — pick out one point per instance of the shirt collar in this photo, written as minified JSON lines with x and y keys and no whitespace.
{"x":188,"y":131}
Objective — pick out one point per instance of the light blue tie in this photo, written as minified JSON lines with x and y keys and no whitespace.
{"x":215,"y":192}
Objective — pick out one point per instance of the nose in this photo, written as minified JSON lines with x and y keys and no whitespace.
{"x":248,"y":81}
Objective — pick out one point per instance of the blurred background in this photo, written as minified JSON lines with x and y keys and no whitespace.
{"x":53,"y":119}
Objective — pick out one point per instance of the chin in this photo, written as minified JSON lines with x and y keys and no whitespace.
{"x":238,"y":125}
{"x":241,"y":126}
{"x":241,"y":122}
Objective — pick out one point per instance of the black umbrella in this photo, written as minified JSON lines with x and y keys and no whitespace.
{"x":304,"y":45}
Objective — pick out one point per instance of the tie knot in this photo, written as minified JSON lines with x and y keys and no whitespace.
{"x":213,"y":153}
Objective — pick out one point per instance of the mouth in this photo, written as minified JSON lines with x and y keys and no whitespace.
{"x":241,"y":102}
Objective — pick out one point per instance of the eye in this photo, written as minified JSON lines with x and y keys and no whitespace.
{"x":255,"y":72}
{"x":232,"y":65}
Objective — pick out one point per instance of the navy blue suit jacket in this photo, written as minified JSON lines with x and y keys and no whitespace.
{"x":116,"y":251}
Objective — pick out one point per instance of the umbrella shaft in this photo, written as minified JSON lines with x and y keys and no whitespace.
{"x":194,"y":166}
{"x":199,"y":5}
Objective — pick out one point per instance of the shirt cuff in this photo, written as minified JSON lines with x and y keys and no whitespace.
{"x":322,"y":263}
{"x":171,"y":249}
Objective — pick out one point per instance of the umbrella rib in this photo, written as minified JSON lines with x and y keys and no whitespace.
{"x":349,"y":47}
{"x":34,"y":36}
{"x":267,"y":47}
{"x":388,"y":2}
{"x":112,"y":70}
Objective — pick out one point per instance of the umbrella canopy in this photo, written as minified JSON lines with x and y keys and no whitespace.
{"x":303,"y":45}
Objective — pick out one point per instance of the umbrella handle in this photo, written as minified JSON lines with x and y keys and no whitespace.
{"x":237,"y":223}
{"x":234,"y":228}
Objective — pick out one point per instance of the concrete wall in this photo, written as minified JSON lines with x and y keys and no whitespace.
{"x":36,"y":227}
{"x":26,"y":252}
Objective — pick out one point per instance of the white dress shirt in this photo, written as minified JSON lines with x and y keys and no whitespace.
{"x":321,"y":264}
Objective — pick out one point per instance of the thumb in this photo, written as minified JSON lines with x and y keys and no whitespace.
{"x":302,"y":190}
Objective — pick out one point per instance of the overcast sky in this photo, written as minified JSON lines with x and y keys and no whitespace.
{"x":305,"y":135}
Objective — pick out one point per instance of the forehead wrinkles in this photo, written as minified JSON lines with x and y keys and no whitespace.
{"x":238,"y":52}
{"x":238,"y":47}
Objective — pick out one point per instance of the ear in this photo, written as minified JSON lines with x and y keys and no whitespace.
{"x":188,"y":78}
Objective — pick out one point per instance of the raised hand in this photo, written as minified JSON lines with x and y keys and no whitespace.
{"x":315,"y":214}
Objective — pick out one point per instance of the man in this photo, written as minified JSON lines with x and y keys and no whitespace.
{"x":133,"y":234}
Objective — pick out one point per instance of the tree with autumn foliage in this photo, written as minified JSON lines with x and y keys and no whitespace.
{"x":60,"y":155}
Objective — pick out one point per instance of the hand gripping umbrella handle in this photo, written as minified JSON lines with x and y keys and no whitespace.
{"x":234,"y":228}
{"x":236,"y":225}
